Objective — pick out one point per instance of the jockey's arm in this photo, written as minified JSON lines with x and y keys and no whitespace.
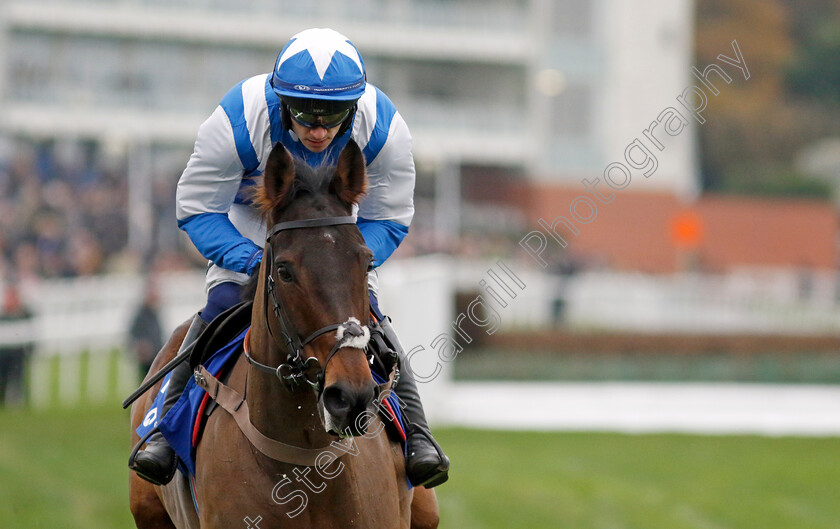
{"x":388,"y":207}
{"x":206,"y":191}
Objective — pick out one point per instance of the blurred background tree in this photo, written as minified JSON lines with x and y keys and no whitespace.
{"x":814,"y":74}
{"x":757,"y":128}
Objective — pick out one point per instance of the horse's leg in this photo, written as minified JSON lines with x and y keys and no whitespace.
{"x":143,"y":498}
{"x":146,"y":507}
{"x":424,"y":509}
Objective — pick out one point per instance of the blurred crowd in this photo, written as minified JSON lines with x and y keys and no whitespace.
{"x":64,"y":212}
{"x":60,"y":216}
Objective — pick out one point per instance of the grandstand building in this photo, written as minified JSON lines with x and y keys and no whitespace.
{"x":531,"y":91}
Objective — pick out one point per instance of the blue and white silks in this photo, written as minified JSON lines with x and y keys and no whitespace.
{"x":232,"y":147}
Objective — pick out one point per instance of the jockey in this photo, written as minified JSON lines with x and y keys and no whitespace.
{"x":314,"y":102}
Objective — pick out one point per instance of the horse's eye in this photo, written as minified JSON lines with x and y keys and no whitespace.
{"x":284,"y":272}
{"x":370,"y":265}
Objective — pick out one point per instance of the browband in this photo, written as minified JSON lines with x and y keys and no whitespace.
{"x":310,"y":223}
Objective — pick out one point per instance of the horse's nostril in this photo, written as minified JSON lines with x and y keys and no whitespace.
{"x":335,"y":401}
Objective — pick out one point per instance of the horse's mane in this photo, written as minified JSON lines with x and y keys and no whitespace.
{"x":248,"y":291}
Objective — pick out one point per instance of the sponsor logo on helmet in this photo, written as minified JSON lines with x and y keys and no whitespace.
{"x":302,"y":87}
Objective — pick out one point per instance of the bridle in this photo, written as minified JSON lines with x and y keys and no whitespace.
{"x":297,"y":370}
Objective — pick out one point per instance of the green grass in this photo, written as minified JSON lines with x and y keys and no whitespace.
{"x":554,"y":480}
{"x":66,"y":469}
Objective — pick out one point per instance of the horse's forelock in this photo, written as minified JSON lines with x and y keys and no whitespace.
{"x":308,"y":181}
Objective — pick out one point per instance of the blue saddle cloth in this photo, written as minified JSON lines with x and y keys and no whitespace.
{"x":177,"y":426}
{"x":179,"y":423}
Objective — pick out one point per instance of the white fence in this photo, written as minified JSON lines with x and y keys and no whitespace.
{"x":80,"y":331}
{"x":748,"y":301}
{"x":800,"y":410}
{"x":80,"y":326}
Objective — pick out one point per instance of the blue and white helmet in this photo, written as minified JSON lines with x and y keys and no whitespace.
{"x":321,"y":64}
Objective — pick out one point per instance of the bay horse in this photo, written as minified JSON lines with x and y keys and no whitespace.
{"x":314,"y":274}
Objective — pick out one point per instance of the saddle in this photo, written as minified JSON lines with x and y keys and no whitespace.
{"x":224,"y":328}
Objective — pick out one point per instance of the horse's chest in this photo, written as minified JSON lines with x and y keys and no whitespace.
{"x":358,"y":490}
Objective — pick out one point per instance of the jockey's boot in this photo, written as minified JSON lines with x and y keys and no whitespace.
{"x":157,"y":463}
{"x":425,"y":462}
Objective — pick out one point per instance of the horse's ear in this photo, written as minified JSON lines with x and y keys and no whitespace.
{"x":278,"y":179}
{"x":349,"y":182}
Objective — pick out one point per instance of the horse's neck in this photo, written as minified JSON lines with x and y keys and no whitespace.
{"x":283,"y":415}
{"x":289,"y":417}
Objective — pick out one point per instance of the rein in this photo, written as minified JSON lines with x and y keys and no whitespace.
{"x":298,"y":369}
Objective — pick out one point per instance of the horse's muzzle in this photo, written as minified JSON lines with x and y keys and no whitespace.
{"x":345,"y":408}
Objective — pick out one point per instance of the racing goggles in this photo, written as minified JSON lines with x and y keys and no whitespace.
{"x":327,"y":121}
